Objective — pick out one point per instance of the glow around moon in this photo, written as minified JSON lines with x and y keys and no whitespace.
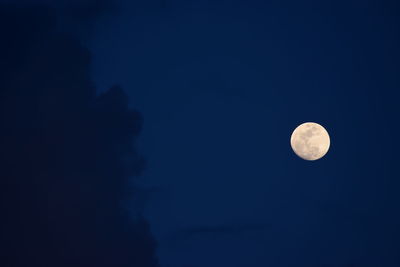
{"x":310,"y":141}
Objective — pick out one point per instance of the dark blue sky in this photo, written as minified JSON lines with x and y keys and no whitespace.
{"x":220,"y":86}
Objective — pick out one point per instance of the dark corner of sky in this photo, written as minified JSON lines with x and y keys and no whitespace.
{"x":67,"y":153}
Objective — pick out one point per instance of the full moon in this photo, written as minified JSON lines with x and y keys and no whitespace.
{"x":310,"y":141}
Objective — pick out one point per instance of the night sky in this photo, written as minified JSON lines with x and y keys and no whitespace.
{"x":157,"y":133}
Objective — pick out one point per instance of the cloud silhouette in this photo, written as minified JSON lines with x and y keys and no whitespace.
{"x":221,"y":230}
{"x":66,"y":154}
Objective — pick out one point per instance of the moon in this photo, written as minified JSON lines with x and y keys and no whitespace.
{"x":310,"y":141}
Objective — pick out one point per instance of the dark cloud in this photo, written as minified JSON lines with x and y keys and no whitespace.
{"x":77,"y":17}
{"x":223,"y":229}
{"x":80,"y":9}
{"x":66,"y":154}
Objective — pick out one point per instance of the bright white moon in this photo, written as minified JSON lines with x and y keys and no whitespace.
{"x":310,"y":141}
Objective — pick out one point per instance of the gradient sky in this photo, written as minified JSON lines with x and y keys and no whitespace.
{"x":221,"y":85}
